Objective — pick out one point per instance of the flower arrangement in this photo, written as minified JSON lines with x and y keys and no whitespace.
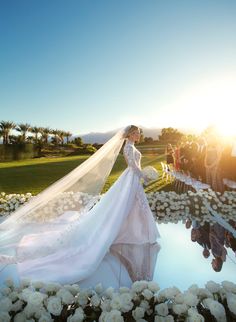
{"x":143,"y":301}
{"x":166,"y":206}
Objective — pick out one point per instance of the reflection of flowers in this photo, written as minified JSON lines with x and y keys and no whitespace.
{"x":143,"y":301}
{"x":172,"y":207}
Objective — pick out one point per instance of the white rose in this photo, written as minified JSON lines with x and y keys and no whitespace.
{"x":95,"y":300}
{"x":45,"y":317}
{"x":114,"y":316}
{"x":5,"y":304}
{"x":231,"y":301}
{"x":52,"y":287}
{"x":126,"y":302}
{"x":36,"y":298}
{"x":78,"y":316}
{"x":105,"y":305}
{"x":54,"y":305}
{"x":162,"y":309}
{"x":20,"y":317}
{"x":82,"y":298}
{"x":66,"y":296}
{"x":168,"y":318}
{"x":213,"y":287}
{"x":139,"y":286}
{"x":216,"y":309}
{"x":229,"y":286}
{"x":109,"y":292}
{"x":138,"y":313}
{"x":147,"y":294}
{"x":9,"y":282}
{"x":98,"y":288}
{"x":180,"y":308}
{"x":30,"y":310}
{"x":4,"y":316}
{"x":190,"y":299}
{"x":17,"y":306}
{"x":13,"y":296}
{"x":116,"y":302}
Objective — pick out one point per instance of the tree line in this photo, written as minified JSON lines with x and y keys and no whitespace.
{"x":38,"y":134}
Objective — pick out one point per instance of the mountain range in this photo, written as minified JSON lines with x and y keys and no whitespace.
{"x":102,"y":137}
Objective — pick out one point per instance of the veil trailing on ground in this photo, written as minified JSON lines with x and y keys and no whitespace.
{"x":68,"y":198}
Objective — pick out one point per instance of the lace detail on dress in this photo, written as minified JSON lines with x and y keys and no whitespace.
{"x":132,"y":157}
{"x":142,"y":199}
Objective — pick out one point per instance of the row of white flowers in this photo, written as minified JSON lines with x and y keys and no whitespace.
{"x":144,"y":301}
{"x":166,"y":206}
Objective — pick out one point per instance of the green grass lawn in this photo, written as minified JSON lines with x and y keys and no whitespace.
{"x":34,"y":175}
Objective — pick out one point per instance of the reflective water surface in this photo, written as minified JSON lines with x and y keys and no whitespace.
{"x":181,"y":262}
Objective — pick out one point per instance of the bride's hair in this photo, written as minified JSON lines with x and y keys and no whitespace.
{"x":129,"y":130}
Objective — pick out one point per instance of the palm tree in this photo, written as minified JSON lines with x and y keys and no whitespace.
{"x":45,"y":131}
{"x":62,"y":135}
{"x":56,"y":134}
{"x":23,"y":128}
{"x":68,"y":134}
{"x":36,"y":130}
{"x":6,"y":127}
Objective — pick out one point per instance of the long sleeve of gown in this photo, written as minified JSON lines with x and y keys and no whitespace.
{"x":130,"y":158}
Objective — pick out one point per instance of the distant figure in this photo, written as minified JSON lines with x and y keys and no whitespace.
{"x":212,"y":160}
{"x":169,"y":154}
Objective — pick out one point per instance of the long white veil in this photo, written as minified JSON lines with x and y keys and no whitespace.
{"x":69,"y":197}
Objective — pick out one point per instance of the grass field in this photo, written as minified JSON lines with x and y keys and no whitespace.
{"x":34,"y":175}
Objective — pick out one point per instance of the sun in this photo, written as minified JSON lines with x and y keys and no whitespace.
{"x":211,"y":102}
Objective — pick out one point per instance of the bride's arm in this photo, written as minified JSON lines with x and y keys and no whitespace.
{"x":130,"y":159}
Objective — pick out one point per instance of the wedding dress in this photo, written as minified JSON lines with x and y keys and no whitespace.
{"x":113,"y":242}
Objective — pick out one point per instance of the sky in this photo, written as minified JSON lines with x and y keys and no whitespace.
{"x":95,"y":65}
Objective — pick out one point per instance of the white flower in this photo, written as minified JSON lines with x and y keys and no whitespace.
{"x":153,"y":286}
{"x":36,"y":298}
{"x":231,"y":301}
{"x":38,"y":284}
{"x":52,"y":287}
{"x":139,"y":286}
{"x":45,"y":317}
{"x":78,"y":316}
{"x":147,"y":294}
{"x":30,"y":310}
{"x":13,"y":296}
{"x":5,"y":304}
{"x":229,"y":286}
{"x":66,"y":296}
{"x":116,"y":302}
{"x":113,"y":316}
{"x":162,"y":309}
{"x":105,"y":305}
{"x":168,"y":318}
{"x":216,"y":309}
{"x":95,"y":300}
{"x":138,"y":313}
{"x":4,"y":316}
{"x":6,"y":290}
{"x":17,"y":306}
{"x":82,"y":298}
{"x":190,"y":299}
{"x":126,"y":302}
{"x":54,"y":305}
{"x":98,"y":288}
{"x":20,"y":317}
{"x":180,"y":308}
{"x":109,"y":292}
{"x":213,"y":287}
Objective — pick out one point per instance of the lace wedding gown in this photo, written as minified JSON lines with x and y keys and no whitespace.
{"x":113,"y":243}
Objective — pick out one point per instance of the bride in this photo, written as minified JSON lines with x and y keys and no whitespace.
{"x":69,"y":233}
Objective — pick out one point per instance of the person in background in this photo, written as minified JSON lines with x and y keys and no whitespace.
{"x":169,"y":154}
{"x":212,"y":160}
